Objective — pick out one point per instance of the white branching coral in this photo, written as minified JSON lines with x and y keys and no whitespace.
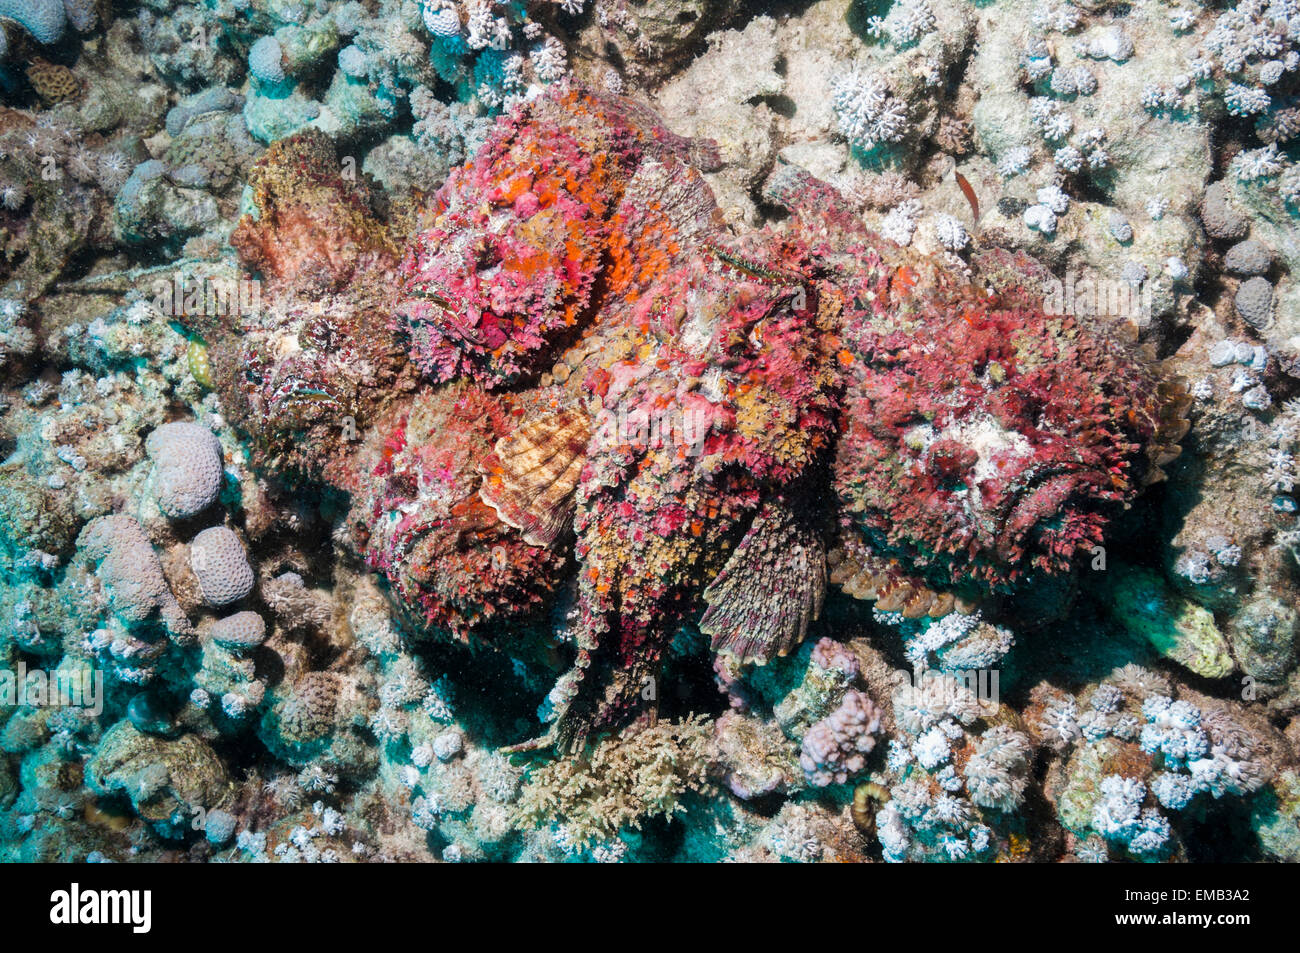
{"x":549,"y":60}
{"x":950,"y":233}
{"x":868,"y":113}
{"x":900,"y":224}
{"x":1255,"y":164}
{"x":1014,"y":161}
{"x":909,"y":21}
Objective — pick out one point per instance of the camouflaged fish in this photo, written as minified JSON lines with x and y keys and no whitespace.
{"x":564,"y":370}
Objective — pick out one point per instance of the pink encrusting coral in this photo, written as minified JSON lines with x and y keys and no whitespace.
{"x":617,"y":387}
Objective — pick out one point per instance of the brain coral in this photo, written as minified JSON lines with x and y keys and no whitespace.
{"x":188,"y":468}
{"x":239,"y":632}
{"x":131,"y":573}
{"x":45,"y":20}
{"x":221,"y":566}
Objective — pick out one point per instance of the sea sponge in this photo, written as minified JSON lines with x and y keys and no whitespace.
{"x":187,"y":468}
{"x":239,"y":632}
{"x":213,"y":99}
{"x":218,"y":560}
{"x":167,"y":781}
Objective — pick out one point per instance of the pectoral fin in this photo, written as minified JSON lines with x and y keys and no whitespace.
{"x":771,"y":589}
{"x":531,"y":475}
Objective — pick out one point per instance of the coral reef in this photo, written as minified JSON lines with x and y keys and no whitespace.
{"x":649,"y":430}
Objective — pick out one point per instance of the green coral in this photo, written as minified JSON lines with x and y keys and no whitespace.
{"x":1278,"y":824}
{"x":1179,"y":629}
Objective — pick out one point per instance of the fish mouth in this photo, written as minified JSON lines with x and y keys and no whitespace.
{"x":1034,"y":499}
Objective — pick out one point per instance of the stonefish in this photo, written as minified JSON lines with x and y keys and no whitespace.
{"x":562,"y":377}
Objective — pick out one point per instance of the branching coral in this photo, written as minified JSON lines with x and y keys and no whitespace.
{"x":955,"y":776}
{"x":621,"y":782}
{"x":1138,"y":758}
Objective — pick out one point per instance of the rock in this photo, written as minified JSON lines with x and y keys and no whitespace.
{"x":1177,"y":628}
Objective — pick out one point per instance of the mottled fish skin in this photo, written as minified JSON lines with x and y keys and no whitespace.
{"x":694,"y":424}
